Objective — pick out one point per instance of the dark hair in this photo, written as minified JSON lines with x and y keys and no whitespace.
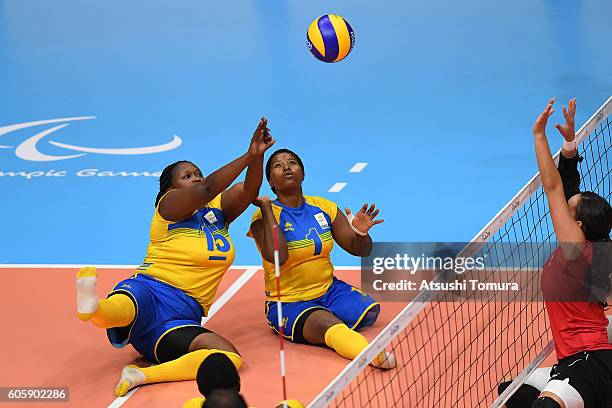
{"x":217,"y":372}
{"x":595,"y":214}
{"x":276,"y":153}
{"x":225,"y":399}
{"x":165,"y":180}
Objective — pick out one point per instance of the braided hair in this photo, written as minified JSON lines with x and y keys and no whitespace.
{"x":276,"y":153}
{"x":165,"y":180}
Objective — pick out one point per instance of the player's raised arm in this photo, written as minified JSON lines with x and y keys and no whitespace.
{"x":568,"y":160}
{"x":262,"y":230}
{"x":237,"y":198}
{"x":566,"y":228}
{"x":180,"y":203}
{"x":352,"y":233}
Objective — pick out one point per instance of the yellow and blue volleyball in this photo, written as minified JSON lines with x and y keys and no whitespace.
{"x":330,"y":38}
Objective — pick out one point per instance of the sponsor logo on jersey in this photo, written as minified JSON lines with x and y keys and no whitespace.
{"x":320,"y":217}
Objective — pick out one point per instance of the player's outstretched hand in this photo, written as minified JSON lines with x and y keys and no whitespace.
{"x":567,"y":130}
{"x":539,"y":127}
{"x":262,"y":140}
{"x":364,"y":219}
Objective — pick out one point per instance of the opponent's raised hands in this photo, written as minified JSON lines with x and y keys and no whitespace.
{"x":539,"y":127}
{"x":567,"y":130}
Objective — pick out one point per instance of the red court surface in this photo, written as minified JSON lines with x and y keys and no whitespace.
{"x":44,"y":344}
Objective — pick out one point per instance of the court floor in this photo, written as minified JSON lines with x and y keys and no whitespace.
{"x":46,"y":345}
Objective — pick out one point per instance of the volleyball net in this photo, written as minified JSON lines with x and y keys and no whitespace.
{"x":455,"y":350}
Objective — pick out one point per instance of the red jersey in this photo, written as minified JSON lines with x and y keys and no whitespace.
{"x":576,"y":326}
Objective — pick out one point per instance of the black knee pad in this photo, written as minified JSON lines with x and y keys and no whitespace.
{"x":545,"y":402}
{"x":523,"y":397}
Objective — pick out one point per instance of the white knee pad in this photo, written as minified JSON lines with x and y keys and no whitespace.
{"x":539,"y":378}
{"x":568,"y":394}
{"x":610,"y":328}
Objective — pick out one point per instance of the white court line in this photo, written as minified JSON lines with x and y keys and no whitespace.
{"x":119,"y":401}
{"x":337,"y":187}
{"x":231,"y":291}
{"x":358,"y":167}
{"x":74,"y":266}
{"x":223,"y":299}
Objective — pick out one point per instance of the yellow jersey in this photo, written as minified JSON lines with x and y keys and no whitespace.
{"x":308,"y":272}
{"x":191,"y":255}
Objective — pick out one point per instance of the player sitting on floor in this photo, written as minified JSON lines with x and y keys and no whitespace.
{"x":159,"y":309}
{"x":317,"y":307}
{"x":575,"y":284}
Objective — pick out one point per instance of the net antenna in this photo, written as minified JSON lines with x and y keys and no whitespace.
{"x":279,"y":307}
{"x":465,"y":380}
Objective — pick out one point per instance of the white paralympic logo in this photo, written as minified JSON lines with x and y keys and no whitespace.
{"x":27,"y":150}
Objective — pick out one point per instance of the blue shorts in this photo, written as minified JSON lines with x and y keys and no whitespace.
{"x":160,"y":308}
{"x":349,"y":304}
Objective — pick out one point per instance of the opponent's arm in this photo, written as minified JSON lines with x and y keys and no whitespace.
{"x":262,"y":231}
{"x":236,"y":199}
{"x":180,"y":203}
{"x":566,"y":228}
{"x":569,"y":158}
{"x":349,"y":240}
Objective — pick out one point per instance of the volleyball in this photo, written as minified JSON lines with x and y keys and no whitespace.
{"x":330,"y":38}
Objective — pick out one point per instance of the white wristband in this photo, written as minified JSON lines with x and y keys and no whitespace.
{"x":570,"y":146}
{"x":350,"y":218}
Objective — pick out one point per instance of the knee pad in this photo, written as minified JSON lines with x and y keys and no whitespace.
{"x":370,"y":317}
{"x":545,"y":402}
{"x":565,"y":392}
{"x":523,"y":397}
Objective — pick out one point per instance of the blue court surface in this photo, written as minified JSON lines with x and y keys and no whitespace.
{"x":437,"y":97}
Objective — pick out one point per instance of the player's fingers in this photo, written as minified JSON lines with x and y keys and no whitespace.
{"x":550,"y":104}
{"x":364,"y":207}
{"x":378,"y":222}
{"x":374,"y":214}
{"x":347,"y":211}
